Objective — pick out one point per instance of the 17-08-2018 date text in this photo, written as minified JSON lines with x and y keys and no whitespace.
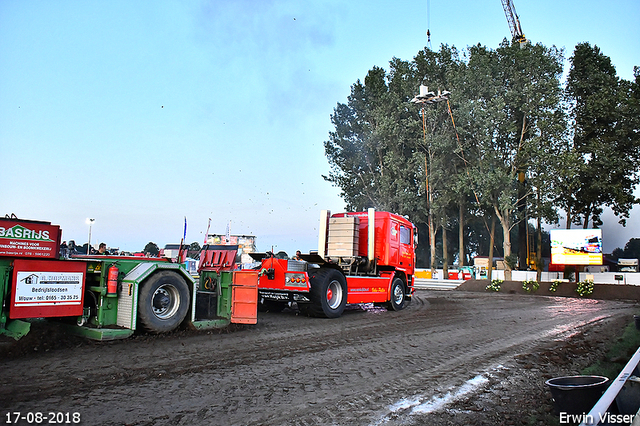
{"x":37,"y":417}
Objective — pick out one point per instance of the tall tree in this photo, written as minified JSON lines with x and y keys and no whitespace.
{"x":514,"y":92}
{"x":632,"y":249}
{"x":437,"y":70}
{"x":151,"y":248}
{"x":384,"y":149}
{"x":371,"y":151}
{"x":606,"y":141}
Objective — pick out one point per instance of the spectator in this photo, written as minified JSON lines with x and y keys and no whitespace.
{"x":102,"y":249}
{"x":64,"y":250}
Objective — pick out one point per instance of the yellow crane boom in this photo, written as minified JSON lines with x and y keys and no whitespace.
{"x":514,"y":21}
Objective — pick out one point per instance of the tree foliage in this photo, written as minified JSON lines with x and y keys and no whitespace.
{"x":631,"y":250}
{"x":194,"y":250}
{"x":152,"y":249}
{"x":606,"y":140}
{"x":371,"y":151}
{"x":384,"y":149}
{"x":500,"y":147}
{"x":514,"y":122}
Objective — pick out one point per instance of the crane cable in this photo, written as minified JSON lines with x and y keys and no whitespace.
{"x":461,"y":150}
{"x":466,"y":168}
{"x":428,"y":25}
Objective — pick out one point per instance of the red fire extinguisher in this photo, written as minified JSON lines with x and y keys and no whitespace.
{"x":112,"y":280}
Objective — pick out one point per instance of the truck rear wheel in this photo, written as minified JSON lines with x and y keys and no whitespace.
{"x":163,"y":302}
{"x":328,"y":293}
{"x":397,"y":295}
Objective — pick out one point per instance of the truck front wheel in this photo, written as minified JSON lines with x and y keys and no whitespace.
{"x":163,"y":302}
{"x":397,"y":295}
{"x":328,"y":293}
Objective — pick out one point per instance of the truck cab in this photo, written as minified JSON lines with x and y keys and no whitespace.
{"x":393,"y":240}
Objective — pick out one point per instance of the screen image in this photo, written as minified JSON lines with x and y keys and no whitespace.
{"x":576,"y":246}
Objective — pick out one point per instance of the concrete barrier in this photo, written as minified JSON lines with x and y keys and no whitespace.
{"x":431,"y":284}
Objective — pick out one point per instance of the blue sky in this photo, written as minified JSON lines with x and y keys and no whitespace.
{"x":140,"y":113}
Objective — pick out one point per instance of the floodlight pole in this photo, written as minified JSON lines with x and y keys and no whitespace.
{"x":89,"y":243}
{"x":425,"y":97}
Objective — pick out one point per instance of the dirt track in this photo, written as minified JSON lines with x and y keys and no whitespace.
{"x":448,"y":358}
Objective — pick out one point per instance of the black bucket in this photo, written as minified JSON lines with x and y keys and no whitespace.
{"x":636,"y":319}
{"x":576,"y":394}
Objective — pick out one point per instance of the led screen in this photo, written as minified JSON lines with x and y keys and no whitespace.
{"x":576,"y":246}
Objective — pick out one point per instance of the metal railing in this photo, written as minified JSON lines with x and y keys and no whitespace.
{"x":598,"y":414}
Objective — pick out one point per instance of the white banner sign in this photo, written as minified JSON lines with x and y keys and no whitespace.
{"x":48,"y":288}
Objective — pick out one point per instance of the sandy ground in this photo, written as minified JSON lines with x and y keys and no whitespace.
{"x":450,"y":358}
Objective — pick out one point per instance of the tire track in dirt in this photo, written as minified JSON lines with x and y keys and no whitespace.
{"x":186,"y":358}
{"x":296,"y":370}
{"x":444,"y":370}
{"x":456,"y":366}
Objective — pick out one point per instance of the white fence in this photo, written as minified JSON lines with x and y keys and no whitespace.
{"x":629,"y":278}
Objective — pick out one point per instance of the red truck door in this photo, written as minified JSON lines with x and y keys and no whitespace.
{"x":394,"y":243}
{"x":406,"y":249}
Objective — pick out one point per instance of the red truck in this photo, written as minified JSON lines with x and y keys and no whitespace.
{"x":362,"y":257}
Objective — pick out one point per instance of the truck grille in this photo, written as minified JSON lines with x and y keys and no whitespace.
{"x":296,"y":265}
